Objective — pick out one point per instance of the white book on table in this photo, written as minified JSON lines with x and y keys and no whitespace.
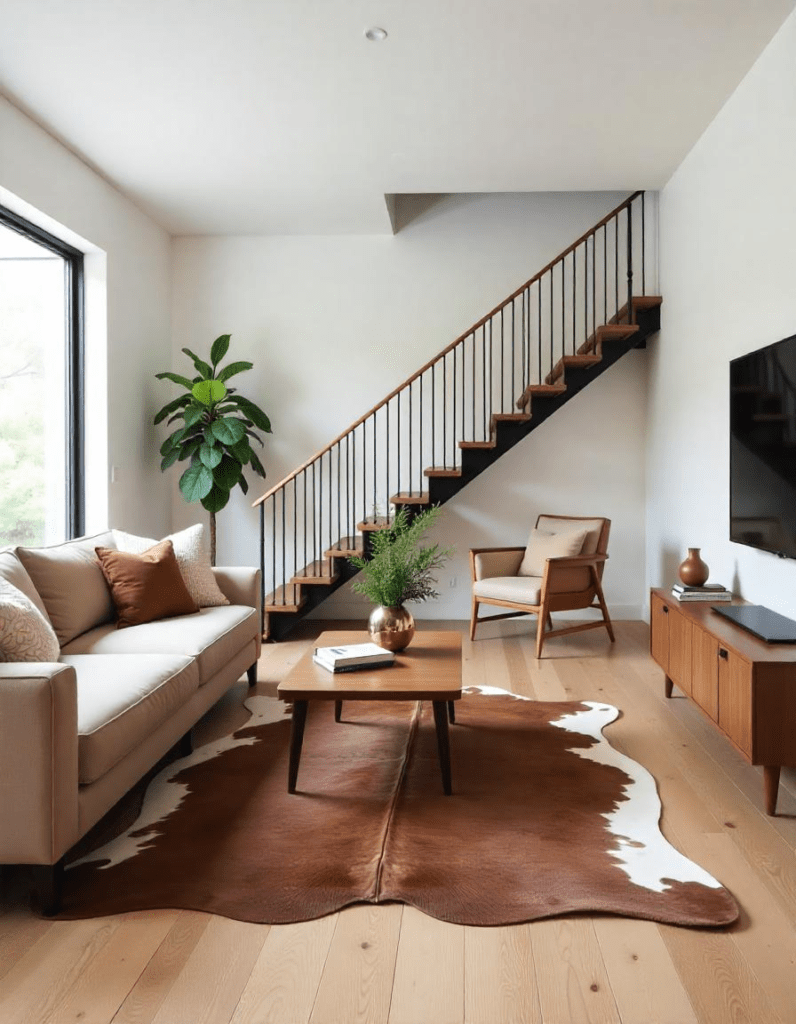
{"x":351,"y":655}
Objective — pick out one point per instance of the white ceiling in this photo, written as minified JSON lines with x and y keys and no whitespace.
{"x":279,"y":117}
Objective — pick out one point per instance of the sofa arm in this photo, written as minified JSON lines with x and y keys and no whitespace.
{"x":38,"y":762}
{"x":240,"y":584}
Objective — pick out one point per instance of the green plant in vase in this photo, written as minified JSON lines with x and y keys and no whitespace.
{"x":216,"y":427}
{"x":400,"y":569}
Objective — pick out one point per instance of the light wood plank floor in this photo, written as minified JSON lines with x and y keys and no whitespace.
{"x":393,"y":965}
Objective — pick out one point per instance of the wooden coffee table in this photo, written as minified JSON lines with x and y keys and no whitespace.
{"x":429,"y":669}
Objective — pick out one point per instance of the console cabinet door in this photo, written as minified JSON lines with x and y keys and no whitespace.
{"x":705,"y":676}
{"x":659,"y":632}
{"x":735,"y":698}
{"x":680,"y":650}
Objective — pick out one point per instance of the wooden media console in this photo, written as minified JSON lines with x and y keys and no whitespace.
{"x":745,"y":686}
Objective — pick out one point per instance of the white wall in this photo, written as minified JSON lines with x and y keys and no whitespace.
{"x":333,"y":324}
{"x":728,"y":260}
{"x":128,"y":296}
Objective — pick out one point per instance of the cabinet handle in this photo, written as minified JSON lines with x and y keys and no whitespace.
{"x":722,"y":653}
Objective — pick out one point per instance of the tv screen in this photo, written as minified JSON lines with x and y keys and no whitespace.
{"x":763,"y":448}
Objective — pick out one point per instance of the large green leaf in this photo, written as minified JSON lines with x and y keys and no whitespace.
{"x":243,"y":485}
{"x":215,"y":500}
{"x":200,"y":364}
{"x":172,"y":441}
{"x":219,"y":349}
{"x":189,"y":448}
{"x":253,"y":412}
{"x":228,"y":430}
{"x":196,"y":482}
{"x":241,"y":451}
{"x":193,"y":414}
{"x":171,"y":407}
{"x":227,"y":473}
{"x":232,"y":368}
{"x":209,"y":391}
{"x":209,"y":456}
{"x":257,"y":466}
{"x":169,"y":459}
{"x":209,"y":436}
{"x":168,"y":375}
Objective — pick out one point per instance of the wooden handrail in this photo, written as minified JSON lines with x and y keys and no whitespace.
{"x":441,"y":355}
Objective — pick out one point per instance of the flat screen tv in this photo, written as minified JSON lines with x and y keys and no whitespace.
{"x":763,"y":448}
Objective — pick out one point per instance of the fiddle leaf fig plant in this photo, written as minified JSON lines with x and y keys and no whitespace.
{"x":215,"y":428}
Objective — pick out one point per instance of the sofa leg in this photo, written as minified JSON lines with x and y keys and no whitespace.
{"x":185,"y":745}
{"x":47,"y":888}
{"x":251,"y":674}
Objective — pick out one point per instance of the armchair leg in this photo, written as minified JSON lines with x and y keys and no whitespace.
{"x":540,"y":623}
{"x":604,"y":608}
{"x":473,"y":619}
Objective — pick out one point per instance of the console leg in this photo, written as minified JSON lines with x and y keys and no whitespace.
{"x":338,"y":710}
{"x":771,"y":786}
{"x":668,"y":685}
{"x":251,"y":674}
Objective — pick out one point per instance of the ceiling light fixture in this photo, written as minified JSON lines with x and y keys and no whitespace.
{"x":375,"y":34}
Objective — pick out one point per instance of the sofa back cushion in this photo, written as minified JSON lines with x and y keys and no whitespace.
{"x":69,"y":581}
{"x":13,"y":572}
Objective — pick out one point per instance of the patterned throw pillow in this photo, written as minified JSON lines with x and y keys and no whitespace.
{"x":25,"y":635}
{"x":193,"y":558}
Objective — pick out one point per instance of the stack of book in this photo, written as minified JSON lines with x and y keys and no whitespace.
{"x":350,"y":657}
{"x":708,"y":592}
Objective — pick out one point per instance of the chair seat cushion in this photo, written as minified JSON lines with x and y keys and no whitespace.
{"x":212,"y":635}
{"x":516,"y":589}
{"x":121,"y":700}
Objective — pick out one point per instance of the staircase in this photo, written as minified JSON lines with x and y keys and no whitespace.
{"x":458,"y":414}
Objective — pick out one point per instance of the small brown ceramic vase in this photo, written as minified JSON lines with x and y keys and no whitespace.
{"x":391,"y":628}
{"x":693,"y":571}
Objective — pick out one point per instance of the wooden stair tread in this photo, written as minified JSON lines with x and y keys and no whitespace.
{"x":559,"y":369}
{"x":285,"y":600}
{"x":511,"y":417}
{"x":345,"y":548}
{"x":477,"y":444}
{"x":441,"y":471}
{"x":540,"y":390}
{"x":639,"y":302}
{"x":410,"y":499}
{"x":374,"y":523}
{"x":318,"y":573}
{"x":607,"y":332}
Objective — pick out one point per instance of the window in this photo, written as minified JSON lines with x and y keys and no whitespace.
{"x":41,"y":385}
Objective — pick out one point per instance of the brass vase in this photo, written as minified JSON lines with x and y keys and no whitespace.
{"x":693,"y":571}
{"x":391,"y":628}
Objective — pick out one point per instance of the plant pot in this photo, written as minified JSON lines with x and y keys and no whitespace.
{"x":693,"y":571}
{"x":391,"y":628}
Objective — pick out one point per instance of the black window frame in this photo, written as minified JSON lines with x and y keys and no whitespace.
{"x":74,"y":332}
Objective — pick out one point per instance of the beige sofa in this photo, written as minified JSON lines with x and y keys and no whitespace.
{"x":76,"y":734}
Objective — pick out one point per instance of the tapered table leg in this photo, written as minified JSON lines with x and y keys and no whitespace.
{"x":338,"y":710}
{"x":668,"y":685}
{"x":296,"y":739}
{"x":443,"y":743}
{"x":771,"y":785}
{"x":451,"y":712}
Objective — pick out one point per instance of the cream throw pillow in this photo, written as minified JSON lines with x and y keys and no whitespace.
{"x":543,"y":545}
{"x":193,"y":558}
{"x":25,"y":635}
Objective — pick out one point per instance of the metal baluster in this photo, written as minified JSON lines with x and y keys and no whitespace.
{"x":605,"y":273}
{"x":552,"y":327}
{"x":262,"y":567}
{"x":539,"y":336}
{"x":445,"y":409}
{"x":284,"y":573}
{"x":295,"y":525}
{"x":387,"y":458}
{"x":574,"y":300}
{"x":411,"y":467}
{"x":629,"y":267}
{"x":513,"y":353}
{"x":594,"y":284}
{"x":502,"y":365}
{"x":643,"y":249}
{"x":375,"y":460}
{"x":616,"y":263}
{"x":433,"y":415}
{"x":273,"y":545}
{"x":420,"y":437}
{"x":483,"y":379}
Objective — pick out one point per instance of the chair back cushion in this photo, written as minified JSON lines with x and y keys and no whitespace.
{"x":597,"y":531}
{"x":543,"y":545}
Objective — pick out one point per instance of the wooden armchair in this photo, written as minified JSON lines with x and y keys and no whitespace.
{"x":560,"y":569}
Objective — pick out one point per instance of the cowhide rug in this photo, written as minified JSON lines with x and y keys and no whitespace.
{"x":546,"y":818}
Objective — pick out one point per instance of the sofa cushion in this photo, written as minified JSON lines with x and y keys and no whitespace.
{"x":13,"y":572}
{"x":145,"y":587}
{"x":522,"y":589}
{"x":25,"y":634}
{"x":122,"y":699}
{"x":211,"y":635}
{"x":193,"y":558}
{"x":543,"y":545}
{"x":69,"y":581}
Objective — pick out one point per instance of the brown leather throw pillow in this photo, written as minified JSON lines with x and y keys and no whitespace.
{"x":145,"y":587}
